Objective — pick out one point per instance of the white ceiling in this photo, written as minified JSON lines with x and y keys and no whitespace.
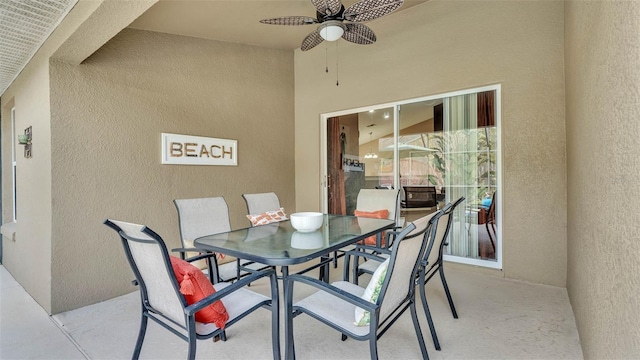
{"x":236,"y":21}
{"x":26,"y":24}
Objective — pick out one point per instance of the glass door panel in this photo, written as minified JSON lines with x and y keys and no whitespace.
{"x":447,"y":145}
{"x":359,"y":156}
{"x":376,"y":131}
{"x":420,"y":174}
{"x":469,"y":157}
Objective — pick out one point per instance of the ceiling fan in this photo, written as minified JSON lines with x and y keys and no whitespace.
{"x":336,"y":21}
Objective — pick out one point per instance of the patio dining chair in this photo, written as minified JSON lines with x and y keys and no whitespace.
{"x":380,"y":203}
{"x":373,"y":200}
{"x":365,"y":314}
{"x":432,"y":263}
{"x":174,"y":294}
{"x":371,"y":264}
{"x":490,"y":222}
{"x":206,"y":216}
{"x":261,"y":203}
{"x":263,"y":209}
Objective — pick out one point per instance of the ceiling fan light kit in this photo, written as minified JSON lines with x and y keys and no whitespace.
{"x":337,"y":22}
{"x":331,"y":30}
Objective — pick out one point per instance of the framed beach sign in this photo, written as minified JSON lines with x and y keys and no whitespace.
{"x":197,"y":150}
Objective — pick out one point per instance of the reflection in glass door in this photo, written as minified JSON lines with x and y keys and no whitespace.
{"x":468,"y":152}
{"x":444,"y":146}
{"x":359,"y":156}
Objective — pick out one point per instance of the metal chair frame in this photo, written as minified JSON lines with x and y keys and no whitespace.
{"x":427,"y":271}
{"x":261,"y":202}
{"x":490,"y":222}
{"x":218,"y":204}
{"x":377,"y":326}
{"x":364,"y":203}
{"x":187,"y":330}
{"x":384,"y":251}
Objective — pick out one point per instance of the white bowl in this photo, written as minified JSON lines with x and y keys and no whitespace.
{"x":306,"y":221}
{"x":307,"y":240}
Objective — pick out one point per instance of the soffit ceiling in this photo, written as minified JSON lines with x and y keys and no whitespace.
{"x":26,"y":24}
{"x":24,"y":27}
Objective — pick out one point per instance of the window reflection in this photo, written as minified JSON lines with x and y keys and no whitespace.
{"x":449,"y":144}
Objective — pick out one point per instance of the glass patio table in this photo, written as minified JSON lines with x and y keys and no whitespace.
{"x":279,"y":244}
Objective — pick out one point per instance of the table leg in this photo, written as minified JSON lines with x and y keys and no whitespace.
{"x":321,"y":276}
{"x":324,"y":268}
{"x":289,"y":352}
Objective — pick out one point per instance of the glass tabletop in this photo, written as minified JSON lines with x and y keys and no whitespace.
{"x":280,"y":244}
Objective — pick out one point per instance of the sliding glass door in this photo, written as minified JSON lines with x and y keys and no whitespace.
{"x":445,"y":145}
{"x":469,"y":154}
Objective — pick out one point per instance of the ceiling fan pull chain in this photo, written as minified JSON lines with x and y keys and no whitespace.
{"x":326,"y":58}
{"x":337,"y":83}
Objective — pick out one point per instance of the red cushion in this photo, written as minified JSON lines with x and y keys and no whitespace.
{"x":195,"y":286}
{"x":378,"y":214}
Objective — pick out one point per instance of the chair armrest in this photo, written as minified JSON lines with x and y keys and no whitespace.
{"x":371,"y":248}
{"x":359,"y":252}
{"x":365,"y":255}
{"x":191,"y":250}
{"x":218,"y":295}
{"x":391,"y":235}
{"x":339,"y":293}
{"x":203,"y":254}
{"x":424,"y":263}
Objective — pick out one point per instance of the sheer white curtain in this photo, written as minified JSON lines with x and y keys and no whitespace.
{"x":461,"y":175}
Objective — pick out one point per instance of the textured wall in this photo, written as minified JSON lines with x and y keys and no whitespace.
{"x":442,"y":46}
{"x":28,"y":258}
{"x":602,"y":48}
{"x":107,"y":116}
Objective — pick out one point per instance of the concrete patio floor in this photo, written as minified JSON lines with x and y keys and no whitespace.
{"x":498,"y":319}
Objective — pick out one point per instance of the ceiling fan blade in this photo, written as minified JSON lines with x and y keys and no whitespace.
{"x":327,"y":7}
{"x":359,"y":34}
{"x":311,"y":40}
{"x":366,"y":10}
{"x":290,"y":20}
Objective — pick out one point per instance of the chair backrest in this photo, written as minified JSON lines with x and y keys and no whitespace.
{"x":404,"y":262}
{"x":423,"y":223}
{"x":491,"y":213}
{"x":441,"y":232}
{"x":380,"y":199}
{"x":200,"y":217}
{"x":419,"y":196}
{"x":147,"y":254}
{"x":261,"y":202}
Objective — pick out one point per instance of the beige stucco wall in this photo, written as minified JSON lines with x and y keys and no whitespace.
{"x":602,"y":48}
{"x":107,"y":116}
{"x":441,"y":46}
{"x":28,"y":257}
{"x":26,"y":254}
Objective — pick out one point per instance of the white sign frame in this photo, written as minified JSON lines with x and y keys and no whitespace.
{"x":198,"y":150}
